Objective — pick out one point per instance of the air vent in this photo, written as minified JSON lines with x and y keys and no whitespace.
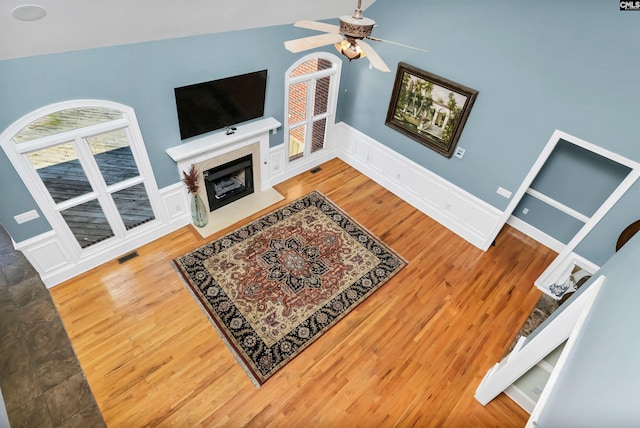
{"x":128,"y":257}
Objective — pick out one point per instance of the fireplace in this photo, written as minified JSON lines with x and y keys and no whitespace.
{"x":213,"y":153}
{"x":229,"y":182}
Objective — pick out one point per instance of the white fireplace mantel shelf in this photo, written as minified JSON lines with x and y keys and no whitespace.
{"x":220,"y":140}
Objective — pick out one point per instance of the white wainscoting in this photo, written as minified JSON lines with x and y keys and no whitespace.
{"x":56,"y":263}
{"x":462,"y":213}
{"x":280,"y":169}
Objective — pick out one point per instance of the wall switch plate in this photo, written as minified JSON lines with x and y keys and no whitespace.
{"x":525,"y":211}
{"x":503,"y":192}
{"x":459,"y":152}
{"x":25,"y":217}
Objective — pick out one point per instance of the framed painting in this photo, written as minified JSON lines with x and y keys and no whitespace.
{"x":429,"y":109}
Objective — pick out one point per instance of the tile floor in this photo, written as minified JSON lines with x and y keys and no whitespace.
{"x":40,"y":378}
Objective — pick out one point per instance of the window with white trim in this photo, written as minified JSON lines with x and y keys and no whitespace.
{"x":85,"y":164}
{"x":310,"y":104}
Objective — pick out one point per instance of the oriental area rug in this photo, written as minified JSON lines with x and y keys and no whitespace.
{"x":272,"y":287}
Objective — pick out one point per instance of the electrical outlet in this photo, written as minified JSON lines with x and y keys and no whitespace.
{"x":503,"y":192}
{"x":459,"y":152}
{"x":25,"y":217}
{"x":525,"y":211}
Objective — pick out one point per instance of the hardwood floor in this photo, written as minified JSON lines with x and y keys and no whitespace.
{"x":410,"y":355}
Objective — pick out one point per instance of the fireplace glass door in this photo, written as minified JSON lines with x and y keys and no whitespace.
{"x":229,"y":182}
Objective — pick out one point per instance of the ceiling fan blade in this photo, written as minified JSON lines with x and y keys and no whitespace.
{"x":375,"y":39}
{"x":373,"y":56}
{"x":306,"y":43}
{"x":318,"y":26}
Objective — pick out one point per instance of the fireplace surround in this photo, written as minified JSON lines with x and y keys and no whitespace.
{"x":212,"y":151}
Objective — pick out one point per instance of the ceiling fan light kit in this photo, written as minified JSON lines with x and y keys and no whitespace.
{"x":348,"y":38}
{"x":350,"y":50}
{"x":355,"y":27}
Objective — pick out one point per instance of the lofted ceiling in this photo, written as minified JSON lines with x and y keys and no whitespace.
{"x":82,"y":24}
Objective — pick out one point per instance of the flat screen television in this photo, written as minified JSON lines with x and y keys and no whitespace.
{"x":208,"y":106}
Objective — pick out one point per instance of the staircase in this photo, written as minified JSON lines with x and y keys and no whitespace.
{"x":540,"y":351}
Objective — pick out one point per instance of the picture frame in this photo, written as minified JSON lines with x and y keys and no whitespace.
{"x":429,"y":109}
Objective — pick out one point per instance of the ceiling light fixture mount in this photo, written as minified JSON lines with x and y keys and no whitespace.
{"x":356,"y":26}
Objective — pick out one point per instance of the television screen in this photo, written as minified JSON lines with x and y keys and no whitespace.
{"x":208,"y":106}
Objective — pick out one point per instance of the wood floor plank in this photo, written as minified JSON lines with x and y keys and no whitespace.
{"x":412,"y":354}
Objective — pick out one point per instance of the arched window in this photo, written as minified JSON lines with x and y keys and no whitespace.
{"x":85,"y":164}
{"x":310,"y":103}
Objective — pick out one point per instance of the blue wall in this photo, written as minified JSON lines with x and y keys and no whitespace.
{"x":579,"y":179}
{"x":538,"y":66}
{"x":139,"y":75}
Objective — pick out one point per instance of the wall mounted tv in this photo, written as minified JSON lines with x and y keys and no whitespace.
{"x":208,"y":106}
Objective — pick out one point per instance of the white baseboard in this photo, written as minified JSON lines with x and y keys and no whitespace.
{"x":536,"y":234}
{"x":282,"y":170}
{"x":56,"y":262}
{"x":466,"y":215}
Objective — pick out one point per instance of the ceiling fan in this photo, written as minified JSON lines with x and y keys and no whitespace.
{"x":348,"y":38}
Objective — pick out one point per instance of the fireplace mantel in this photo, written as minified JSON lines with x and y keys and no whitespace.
{"x":220,"y":141}
{"x":218,"y":144}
